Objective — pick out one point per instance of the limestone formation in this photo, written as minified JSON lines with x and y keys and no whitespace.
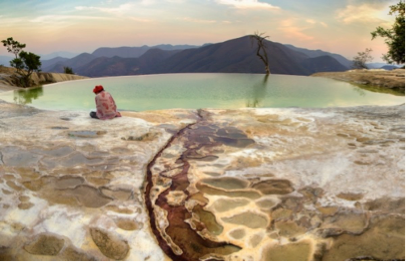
{"x":248,"y":184}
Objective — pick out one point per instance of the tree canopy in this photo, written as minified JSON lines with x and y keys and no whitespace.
{"x":395,"y":36}
{"x":25,"y":62}
{"x":361,"y":59}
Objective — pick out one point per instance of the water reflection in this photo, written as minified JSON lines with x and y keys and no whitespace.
{"x":258,"y":93}
{"x":360,"y":91}
{"x":193,"y":91}
{"x":26,"y":96}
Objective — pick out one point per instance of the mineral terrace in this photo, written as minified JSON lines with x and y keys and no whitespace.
{"x":248,"y":184}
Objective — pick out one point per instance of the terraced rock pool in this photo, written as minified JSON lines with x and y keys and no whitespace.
{"x":192,"y":91}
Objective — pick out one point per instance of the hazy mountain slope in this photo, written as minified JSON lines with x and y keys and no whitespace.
{"x":49,"y":64}
{"x":115,"y":66}
{"x":74,"y":63}
{"x":324,"y":63}
{"x":234,"y":56}
{"x":134,"y":52}
{"x":152,"y":58}
{"x":124,"y":52}
{"x":109,"y":66}
{"x":316,"y":53}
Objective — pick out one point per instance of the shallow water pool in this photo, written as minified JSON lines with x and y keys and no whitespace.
{"x":204,"y":90}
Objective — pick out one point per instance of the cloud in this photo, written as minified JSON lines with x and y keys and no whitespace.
{"x":314,"y":22}
{"x":147,"y":2}
{"x":324,"y":24}
{"x":120,"y":10}
{"x":141,"y":20}
{"x":247,"y":4}
{"x":51,"y":19}
{"x":202,"y":21}
{"x":290,"y":30}
{"x":372,"y":12}
{"x":8,"y":22}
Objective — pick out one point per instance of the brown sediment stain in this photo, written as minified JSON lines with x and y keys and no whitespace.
{"x":145,"y":137}
{"x":281,"y":213}
{"x":68,"y":190}
{"x":266,"y":204}
{"x":238,"y":233}
{"x":208,"y":220}
{"x":386,"y":204}
{"x":72,"y":253}
{"x":289,"y":229}
{"x":311,"y":194}
{"x":128,"y":224}
{"x":274,"y":186}
{"x":86,"y":133}
{"x":185,"y":227}
{"x":119,"y":193}
{"x":111,"y":245}
{"x":248,"y":219}
{"x":247,"y":193}
{"x":351,"y":196}
{"x":45,"y":244}
{"x":351,"y":221}
{"x":328,"y":210}
{"x":383,"y":240}
{"x":297,"y":251}
{"x":224,"y":204}
{"x":25,"y":205}
{"x":227,"y":183}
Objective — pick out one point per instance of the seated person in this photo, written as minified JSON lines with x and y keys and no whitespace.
{"x":105,"y":105}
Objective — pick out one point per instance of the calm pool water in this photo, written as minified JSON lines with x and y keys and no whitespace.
{"x":151,"y":92}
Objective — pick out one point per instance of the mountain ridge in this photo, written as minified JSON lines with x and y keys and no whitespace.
{"x":232,"y":56}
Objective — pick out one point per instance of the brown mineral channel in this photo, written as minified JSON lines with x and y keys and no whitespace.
{"x":193,"y":245}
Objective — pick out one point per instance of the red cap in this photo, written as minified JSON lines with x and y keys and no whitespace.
{"x":97,"y":89}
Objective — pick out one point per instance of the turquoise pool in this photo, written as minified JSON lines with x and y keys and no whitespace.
{"x":212,"y":90}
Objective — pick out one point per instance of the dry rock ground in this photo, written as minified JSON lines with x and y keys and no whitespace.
{"x":250,"y":184}
{"x":389,"y":80}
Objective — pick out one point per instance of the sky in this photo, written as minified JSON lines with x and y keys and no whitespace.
{"x":337,"y":26}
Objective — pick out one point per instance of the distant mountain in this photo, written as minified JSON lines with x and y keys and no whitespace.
{"x":124,"y":52}
{"x":76,"y":62}
{"x":5,"y":60}
{"x":232,"y":56}
{"x":58,"y":54}
{"x":116,"y":66}
{"x":53,"y":61}
{"x":134,"y":52}
{"x":325,"y":63}
{"x":381,"y":65}
{"x":239,"y":56}
{"x":316,"y":53}
{"x":389,"y":67}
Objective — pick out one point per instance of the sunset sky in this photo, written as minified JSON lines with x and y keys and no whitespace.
{"x":338,"y":26}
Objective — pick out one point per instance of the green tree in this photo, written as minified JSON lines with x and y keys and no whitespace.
{"x":395,"y":36}
{"x":261,"y":49}
{"x":68,"y":70}
{"x":362,"y":58}
{"x":25,"y":62}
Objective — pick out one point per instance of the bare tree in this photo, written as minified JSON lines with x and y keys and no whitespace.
{"x":261,"y":49}
{"x":361,"y":59}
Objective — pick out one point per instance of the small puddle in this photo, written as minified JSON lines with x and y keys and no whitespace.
{"x":86,"y":134}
